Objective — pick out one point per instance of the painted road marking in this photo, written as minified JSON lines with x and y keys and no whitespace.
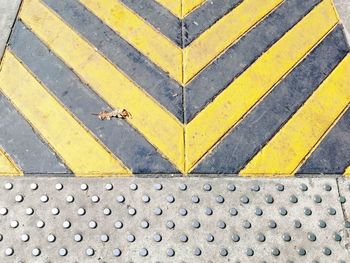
{"x":209,"y":83}
{"x":181,"y":8}
{"x":292,"y":143}
{"x":138,"y":67}
{"x":235,"y":60}
{"x":160,"y":127}
{"x":332,"y":154}
{"x":193,"y":24}
{"x":80,"y":151}
{"x":19,"y":140}
{"x":241,"y":95}
{"x":120,"y":138}
{"x":245,"y":139}
{"x":7,"y":166}
{"x":147,"y":40}
{"x":206,"y":47}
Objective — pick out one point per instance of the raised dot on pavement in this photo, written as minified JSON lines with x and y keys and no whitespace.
{"x":170,"y":252}
{"x":117,"y":252}
{"x":62,"y":252}
{"x":143,"y":252}
{"x":36,"y":252}
{"x":90,"y":251}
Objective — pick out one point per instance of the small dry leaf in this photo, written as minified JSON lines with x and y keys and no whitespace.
{"x":118,"y":113}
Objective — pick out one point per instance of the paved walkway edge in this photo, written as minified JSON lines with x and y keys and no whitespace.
{"x":174,"y":220}
{"x":343,"y":8}
{"x":8,"y":13}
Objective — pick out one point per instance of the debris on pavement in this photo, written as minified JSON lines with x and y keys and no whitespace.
{"x":117,"y":113}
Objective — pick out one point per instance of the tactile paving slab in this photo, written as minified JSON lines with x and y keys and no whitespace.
{"x":171,"y":220}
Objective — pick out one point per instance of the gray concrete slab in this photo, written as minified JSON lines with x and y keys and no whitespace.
{"x":171,"y":220}
{"x":8,"y":13}
{"x":343,"y":7}
{"x":344,"y":198}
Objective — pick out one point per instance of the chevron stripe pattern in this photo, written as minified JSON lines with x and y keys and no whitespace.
{"x":214,"y":87}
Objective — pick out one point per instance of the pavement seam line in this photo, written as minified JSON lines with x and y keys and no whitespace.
{"x":341,"y":204}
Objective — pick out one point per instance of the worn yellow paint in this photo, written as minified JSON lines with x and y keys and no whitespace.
{"x":76,"y":146}
{"x":180,"y":8}
{"x":223,"y":33}
{"x":160,"y":127}
{"x":242,"y":94}
{"x":7,"y":166}
{"x":140,"y":34}
{"x":295,"y":140}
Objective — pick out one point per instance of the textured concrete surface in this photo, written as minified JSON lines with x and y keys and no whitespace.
{"x":343,"y":7}
{"x":8,"y":12}
{"x":173,"y":220}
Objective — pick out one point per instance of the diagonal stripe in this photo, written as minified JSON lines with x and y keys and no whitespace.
{"x":261,"y":124}
{"x":159,"y":17}
{"x":222,"y":34}
{"x":202,"y":18}
{"x":80,"y":151}
{"x":120,"y":138}
{"x":234,"y":61}
{"x":174,"y":6}
{"x":240,"y":96}
{"x":190,"y":27}
{"x":189,"y":5}
{"x":138,"y":67}
{"x":181,"y":8}
{"x":7,"y":166}
{"x":294,"y":141}
{"x":347,"y":171}
{"x":24,"y":146}
{"x":157,"y":125}
{"x":332,"y":155}
{"x":141,"y":35}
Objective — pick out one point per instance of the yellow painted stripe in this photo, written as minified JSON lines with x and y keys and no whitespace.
{"x":161,"y":128}
{"x":295,"y":140}
{"x":241,"y":95}
{"x":81,"y":151}
{"x":223,"y":33}
{"x":189,"y":5}
{"x":319,"y":142}
{"x":174,"y":6}
{"x":140,"y":34}
{"x":180,"y":8}
{"x":7,"y":166}
{"x":347,"y":172}
{"x":76,"y":146}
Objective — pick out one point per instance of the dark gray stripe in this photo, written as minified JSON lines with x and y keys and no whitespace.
{"x":24,"y":146}
{"x":193,"y":24}
{"x":159,"y":17}
{"x":141,"y":70}
{"x":205,"y":16}
{"x":332,"y":156}
{"x":219,"y":74}
{"x":245,"y":140}
{"x":125,"y":142}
